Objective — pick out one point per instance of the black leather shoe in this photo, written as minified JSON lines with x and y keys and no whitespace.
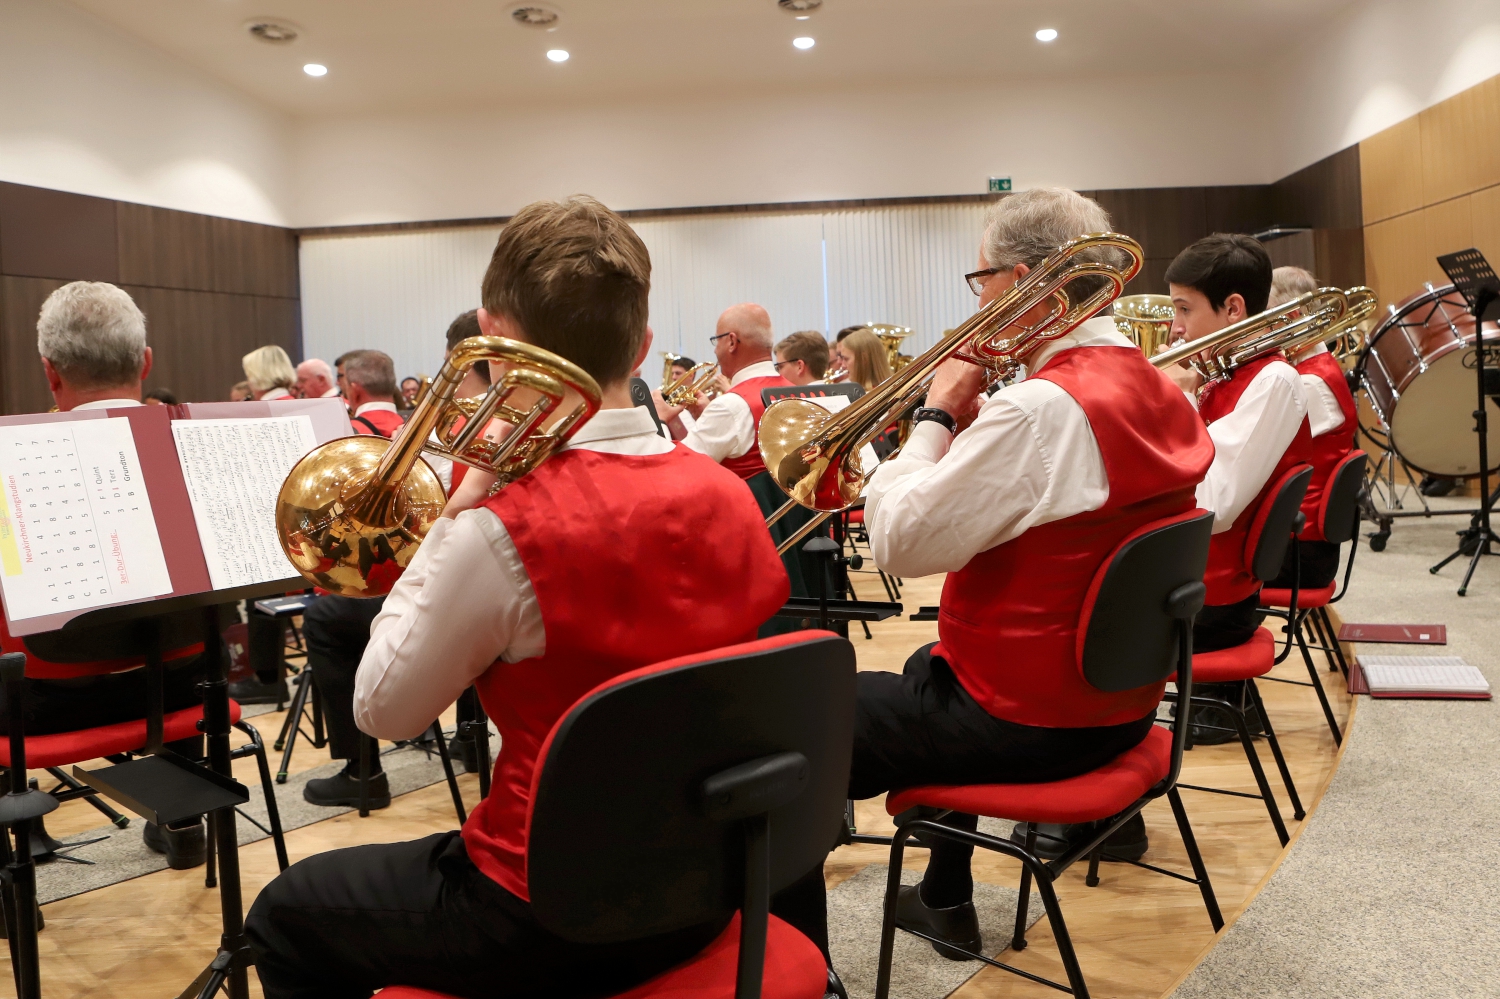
{"x":957,"y":925}
{"x":252,"y":691}
{"x":184,"y":843}
{"x":836,"y":988}
{"x":343,"y":789}
{"x":1054,"y":839}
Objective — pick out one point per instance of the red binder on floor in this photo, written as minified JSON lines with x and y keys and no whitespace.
{"x":1395,"y":634}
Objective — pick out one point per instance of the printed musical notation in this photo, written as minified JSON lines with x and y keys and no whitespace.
{"x":76,"y":530}
{"x":234,"y":471}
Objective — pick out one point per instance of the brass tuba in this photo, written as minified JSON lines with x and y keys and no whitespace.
{"x":1346,"y":338}
{"x":681,"y":391}
{"x":891,"y":337}
{"x":352,"y":512}
{"x":814,"y":455}
{"x":1290,"y":327}
{"x":1146,"y":320}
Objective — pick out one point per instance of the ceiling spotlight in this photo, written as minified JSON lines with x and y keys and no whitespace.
{"x":1046,"y":34}
{"x":536,"y":15}
{"x":275,"y":32}
{"x":800,"y":9}
{"x":315,"y":69}
{"x":803,"y":17}
{"x":557,"y":55}
{"x":804,"y":42}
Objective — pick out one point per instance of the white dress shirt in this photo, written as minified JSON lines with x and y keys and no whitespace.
{"x":1250,"y":441}
{"x":464,"y":601}
{"x":332,"y":393}
{"x":372,"y":407}
{"x":1030,"y":458}
{"x":727,"y":428}
{"x":276,"y":393}
{"x":1324,"y":415}
{"x":109,"y":404}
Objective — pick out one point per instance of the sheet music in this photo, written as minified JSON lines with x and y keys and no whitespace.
{"x":1422,"y":673}
{"x":76,"y":530}
{"x":234,"y":471}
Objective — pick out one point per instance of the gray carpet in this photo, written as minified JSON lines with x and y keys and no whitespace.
{"x":917,"y":972}
{"x":1393,"y":889}
{"x":122,"y":855}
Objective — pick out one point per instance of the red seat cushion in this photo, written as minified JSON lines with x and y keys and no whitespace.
{"x":794,"y":970}
{"x":61,"y":748}
{"x":1305,"y":598}
{"x":857,"y":516}
{"x":1097,"y":794}
{"x":1239,"y":662}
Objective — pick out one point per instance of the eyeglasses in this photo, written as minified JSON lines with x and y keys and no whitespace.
{"x":716,"y":339}
{"x":778,"y":365}
{"x":977,"y":279}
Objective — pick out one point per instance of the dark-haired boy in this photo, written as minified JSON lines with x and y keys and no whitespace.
{"x":1257,"y":418}
{"x":535,"y":596}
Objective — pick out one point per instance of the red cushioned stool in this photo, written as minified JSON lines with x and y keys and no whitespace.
{"x":1277,"y":520}
{"x":1306,"y":610}
{"x":1136,"y":629}
{"x":738,"y":792}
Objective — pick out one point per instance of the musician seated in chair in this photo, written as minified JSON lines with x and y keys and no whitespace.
{"x":1331,"y":424}
{"x":370,"y":392}
{"x":802,"y":358}
{"x":591,"y":565}
{"x":1020,"y":509}
{"x":1257,"y":418}
{"x":92,"y":341}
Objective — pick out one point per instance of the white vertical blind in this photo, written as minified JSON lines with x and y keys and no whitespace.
{"x":397,"y":292}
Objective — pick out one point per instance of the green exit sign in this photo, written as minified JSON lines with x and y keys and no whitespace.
{"x":999,"y":185}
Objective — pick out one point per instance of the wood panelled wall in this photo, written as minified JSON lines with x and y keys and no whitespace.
{"x":1432,"y":185}
{"x":212,"y":289}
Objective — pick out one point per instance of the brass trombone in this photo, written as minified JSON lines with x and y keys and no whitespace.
{"x":814,"y":455}
{"x":682,"y":390}
{"x":352,"y":512}
{"x":1290,"y":327}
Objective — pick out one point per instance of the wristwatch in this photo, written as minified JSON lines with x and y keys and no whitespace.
{"x":941,"y":416}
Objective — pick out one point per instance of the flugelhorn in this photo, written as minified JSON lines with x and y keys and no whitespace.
{"x":1289,"y":327}
{"x":1146,"y":320}
{"x":352,"y":512}
{"x":682,"y":390}
{"x":814,"y":455}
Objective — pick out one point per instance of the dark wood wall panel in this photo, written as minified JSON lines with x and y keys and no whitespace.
{"x":212,"y":289}
{"x":56,"y":234}
{"x":1325,"y":195}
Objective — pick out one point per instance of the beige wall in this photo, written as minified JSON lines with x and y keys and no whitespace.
{"x":1431,"y":185}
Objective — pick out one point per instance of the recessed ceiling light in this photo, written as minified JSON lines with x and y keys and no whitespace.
{"x":803,"y":17}
{"x":315,"y":69}
{"x":536,"y":15}
{"x":557,"y":55}
{"x":1046,"y":34}
{"x":804,"y":42}
{"x":276,"y":32}
{"x":799,"y":8}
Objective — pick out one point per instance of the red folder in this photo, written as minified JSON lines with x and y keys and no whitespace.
{"x":1395,"y":634}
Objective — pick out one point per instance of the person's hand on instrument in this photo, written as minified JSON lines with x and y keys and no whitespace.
{"x":956,"y":387}
{"x":1183,"y":376}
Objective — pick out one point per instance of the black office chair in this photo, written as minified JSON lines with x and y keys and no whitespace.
{"x":1137,"y":628}
{"x":685,"y":792}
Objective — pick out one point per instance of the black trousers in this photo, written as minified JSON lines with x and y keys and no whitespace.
{"x":801,"y":569}
{"x":340,"y":925}
{"x":1317,"y":565}
{"x":1226,"y":625}
{"x":337,"y":629}
{"x":923,"y":727}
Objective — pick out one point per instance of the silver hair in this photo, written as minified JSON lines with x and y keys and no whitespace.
{"x":268,"y":367}
{"x":316,"y":366}
{"x":1028,"y":227}
{"x":1288,"y":283}
{"x":372,"y":370}
{"x":93,"y":333}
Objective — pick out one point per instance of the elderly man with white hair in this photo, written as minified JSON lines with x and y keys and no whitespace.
{"x":315,"y":380}
{"x":1020,"y":510}
{"x":92,"y":342}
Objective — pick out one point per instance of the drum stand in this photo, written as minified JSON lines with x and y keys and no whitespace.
{"x":1472,"y":275}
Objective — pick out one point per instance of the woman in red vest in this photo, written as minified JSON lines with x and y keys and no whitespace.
{"x":589,"y":567}
{"x":1020,"y":509}
{"x":1331,"y":423}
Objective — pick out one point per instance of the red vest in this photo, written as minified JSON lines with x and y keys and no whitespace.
{"x":384,"y":421}
{"x":1325,"y":452}
{"x":614,"y":548}
{"x":749,"y":465}
{"x":1228,"y":578}
{"x":1008,"y":622}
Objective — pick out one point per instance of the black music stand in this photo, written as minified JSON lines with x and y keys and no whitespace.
{"x":1475,"y":279}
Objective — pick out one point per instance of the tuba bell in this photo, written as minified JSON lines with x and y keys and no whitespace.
{"x":352,"y":513}
{"x":1146,"y":320}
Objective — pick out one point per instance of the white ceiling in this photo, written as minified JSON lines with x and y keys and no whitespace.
{"x":426,"y":55}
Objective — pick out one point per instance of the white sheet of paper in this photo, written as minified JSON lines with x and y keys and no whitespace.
{"x":234,"y":471}
{"x":76,"y":530}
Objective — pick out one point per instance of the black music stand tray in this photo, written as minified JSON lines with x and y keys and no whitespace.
{"x":827,"y":609}
{"x":1475,"y":279}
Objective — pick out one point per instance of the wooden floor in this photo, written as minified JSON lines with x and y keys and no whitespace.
{"x":1135,"y":934}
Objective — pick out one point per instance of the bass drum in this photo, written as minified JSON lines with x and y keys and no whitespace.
{"x":1418,"y":372}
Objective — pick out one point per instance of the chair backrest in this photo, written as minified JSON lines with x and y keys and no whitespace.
{"x":1274,"y":522}
{"x":637,"y":808}
{"x":110,"y":648}
{"x":1339,"y":511}
{"x":1127,"y":634}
